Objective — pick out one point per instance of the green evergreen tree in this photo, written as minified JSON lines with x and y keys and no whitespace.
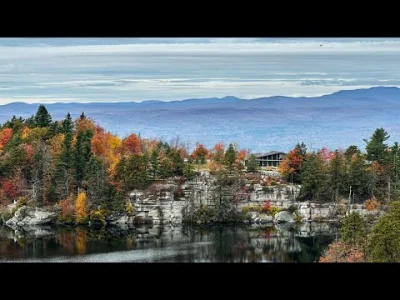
{"x":82,"y":154}
{"x":336,"y":174}
{"x":350,"y":151}
{"x":353,"y":230}
{"x":252,"y":164}
{"x":189,"y":170}
{"x":302,"y":148}
{"x":95,"y":177}
{"x":154,"y":163}
{"x":42,"y":117}
{"x":384,"y":243}
{"x":230,"y":156}
{"x":64,"y":164}
{"x":312,"y":177}
{"x":376,"y":148}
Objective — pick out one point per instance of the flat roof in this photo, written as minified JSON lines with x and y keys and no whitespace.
{"x":257,"y":155}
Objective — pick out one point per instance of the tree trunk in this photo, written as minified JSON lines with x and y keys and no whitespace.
{"x":349,"y":205}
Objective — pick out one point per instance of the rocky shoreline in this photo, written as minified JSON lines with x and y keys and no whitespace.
{"x":197,"y":203}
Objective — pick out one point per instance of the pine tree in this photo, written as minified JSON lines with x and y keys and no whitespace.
{"x":312,"y":177}
{"x":230,"y":157}
{"x":42,"y":117}
{"x":376,"y":148}
{"x":336,"y":173}
{"x":82,"y":154}
{"x":64,"y":164}
{"x":252,"y":164}
{"x":302,"y":149}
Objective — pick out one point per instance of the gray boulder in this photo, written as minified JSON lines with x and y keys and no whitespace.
{"x":27,"y":216}
{"x":283,"y":217}
{"x":265,"y":219}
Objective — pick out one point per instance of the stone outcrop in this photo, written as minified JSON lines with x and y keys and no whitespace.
{"x":27,"y":216}
{"x":283,"y":217}
{"x":160,"y":205}
{"x":313,"y":211}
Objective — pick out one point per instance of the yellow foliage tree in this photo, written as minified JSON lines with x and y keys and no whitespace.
{"x":56,"y":144}
{"x":80,"y":208}
{"x":25,"y":133}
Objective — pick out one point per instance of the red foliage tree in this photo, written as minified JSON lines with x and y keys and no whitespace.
{"x":326,"y":155}
{"x":10,"y":189}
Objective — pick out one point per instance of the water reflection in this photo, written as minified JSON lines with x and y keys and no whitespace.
{"x":282,"y":243}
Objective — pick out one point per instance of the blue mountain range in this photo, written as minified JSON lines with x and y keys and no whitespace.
{"x":272,"y":123}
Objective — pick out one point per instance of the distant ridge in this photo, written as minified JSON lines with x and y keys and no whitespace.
{"x":261,"y":124}
{"x":372,"y":92}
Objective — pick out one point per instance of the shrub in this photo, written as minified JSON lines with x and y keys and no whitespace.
{"x":21,"y":202}
{"x":266,"y":190}
{"x":202,"y":214}
{"x":245,"y":209}
{"x":341,"y":252}
{"x":267,"y":206}
{"x":297,"y":217}
{"x":292,"y":208}
{"x":372,"y":204}
{"x":129,"y":208}
{"x":274,"y":210}
{"x":67,"y":213}
{"x":254,"y":208}
{"x":97,"y":217}
{"x":341,"y":210}
{"x":6,"y":216}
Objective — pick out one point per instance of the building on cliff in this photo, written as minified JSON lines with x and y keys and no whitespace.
{"x":269,"y":159}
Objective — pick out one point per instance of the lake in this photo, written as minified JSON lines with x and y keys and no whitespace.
{"x":216,"y":243}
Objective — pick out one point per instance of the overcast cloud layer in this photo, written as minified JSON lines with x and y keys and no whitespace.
{"x":138,"y":69}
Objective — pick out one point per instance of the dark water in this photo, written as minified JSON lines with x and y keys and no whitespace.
{"x":167,"y":244}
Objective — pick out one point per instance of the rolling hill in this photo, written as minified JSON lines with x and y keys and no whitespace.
{"x":273,"y":123}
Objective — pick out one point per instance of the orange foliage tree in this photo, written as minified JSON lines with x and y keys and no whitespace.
{"x":131,"y":144}
{"x":372,"y":204}
{"x":218,"y":152}
{"x":240,"y":157}
{"x":200,"y":153}
{"x":5,"y":136}
{"x":290,"y":166}
{"x":56,"y":144}
{"x":342,"y":252}
{"x":84,"y":123}
{"x":107,"y":146}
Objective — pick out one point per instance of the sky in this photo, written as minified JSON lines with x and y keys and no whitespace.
{"x":49,"y":70}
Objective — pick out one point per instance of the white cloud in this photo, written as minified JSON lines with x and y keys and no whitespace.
{"x":171,"y":69}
